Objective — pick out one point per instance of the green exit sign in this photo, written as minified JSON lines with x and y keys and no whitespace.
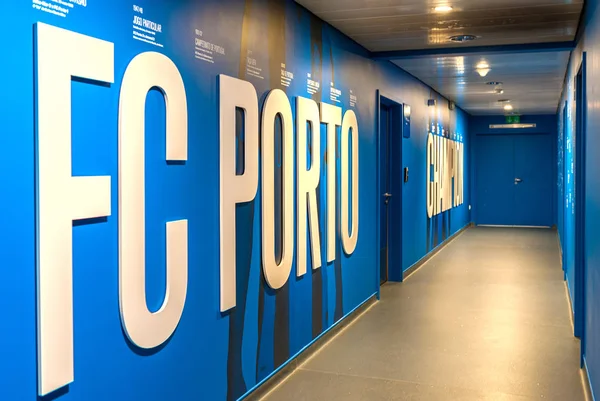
{"x":513,"y":119}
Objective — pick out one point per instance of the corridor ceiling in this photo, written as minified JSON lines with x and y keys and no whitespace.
{"x":532,"y":81}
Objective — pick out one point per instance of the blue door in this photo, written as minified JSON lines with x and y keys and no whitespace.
{"x":390,"y":183}
{"x":514,"y":180}
{"x":534,"y":198}
{"x":495,"y":180}
{"x":385,"y":124}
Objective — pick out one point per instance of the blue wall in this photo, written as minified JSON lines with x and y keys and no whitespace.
{"x":210,"y":356}
{"x":566,"y":186}
{"x":545,"y":125}
{"x":590,"y":43}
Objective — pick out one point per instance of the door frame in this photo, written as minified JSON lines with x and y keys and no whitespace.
{"x":538,"y":132}
{"x":580,"y":142}
{"x":396,"y":107}
{"x":385,"y":181}
{"x":563,"y":209}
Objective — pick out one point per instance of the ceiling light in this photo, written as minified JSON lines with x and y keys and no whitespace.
{"x":462,"y":38}
{"x":482,"y":68}
{"x":443,"y":9}
{"x":499,"y":91}
{"x":508,"y":107}
{"x":504,"y":101}
{"x":495,"y":83}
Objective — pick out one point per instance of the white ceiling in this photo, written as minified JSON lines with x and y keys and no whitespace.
{"x":533,"y":81}
{"x":381,"y":25}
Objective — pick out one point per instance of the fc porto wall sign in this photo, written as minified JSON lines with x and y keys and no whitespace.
{"x":445,"y":174}
{"x":63,"y":198}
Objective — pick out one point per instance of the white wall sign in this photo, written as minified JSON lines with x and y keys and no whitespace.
{"x":331,"y":116}
{"x":62,"y":198}
{"x":445,"y":174}
{"x":144,"y":328}
{"x":235,"y":93}
{"x":512,"y":126}
{"x":308,"y":178}
{"x":235,"y":188}
{"x":277,"y":273}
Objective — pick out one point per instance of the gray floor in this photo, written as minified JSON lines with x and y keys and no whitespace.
{"x":485,"y":319}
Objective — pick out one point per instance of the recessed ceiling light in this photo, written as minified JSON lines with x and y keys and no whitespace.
{"x":462,"y":38}
{"x":508,"y":107}
{"x":499,"y":91}
{"x":504,"y":101}
{"x":482,"y":68}
{"x":443,"y":9}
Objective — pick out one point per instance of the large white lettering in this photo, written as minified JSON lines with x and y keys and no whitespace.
{"x":234,"y":188}
{"x":277,"y":272}
{"x":62,"y":198}
{"x":332,"y":117}
{"x":444,"y":174}
{"x":307,"y":111}
{"x":349,"y":165}
{"x":459,"y":174}
{"x":144,"y":328}
{"x":430,"y":172}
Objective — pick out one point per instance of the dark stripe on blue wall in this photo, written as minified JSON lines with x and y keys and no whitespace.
{"x":316,"y":43}
{"x":339,"y":294}
{"x":277,"y":55}
{"x":236,"y":385}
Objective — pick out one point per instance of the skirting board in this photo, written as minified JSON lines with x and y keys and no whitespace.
{"x":587,"y":385}
{"x":285,"y":371}
{"x":505,"y":226}
{"x":570,"y":305}
{"x":560,"y":250}
{"x":434,"y":252}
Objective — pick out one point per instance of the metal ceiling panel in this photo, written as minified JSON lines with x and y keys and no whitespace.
{"x":406,"y":24}
{"x":381,"y":25}
{"x":533,"y":81}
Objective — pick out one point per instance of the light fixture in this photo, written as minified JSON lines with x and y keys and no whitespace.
{"x":504,"y":101}
{"x":495,"y":83}
{"x":483,"y":68}
{"x":508,"y":107}
{"x":499,"y":91}
{"x":443,"y":9}
{"x":460,"y":65}
{"x":462,"y":38}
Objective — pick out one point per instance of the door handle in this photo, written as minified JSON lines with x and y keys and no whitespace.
{"x":518,"y":181}
{"x":387,"y":197}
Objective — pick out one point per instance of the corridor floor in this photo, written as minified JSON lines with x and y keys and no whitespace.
{"x":485,"y":319}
